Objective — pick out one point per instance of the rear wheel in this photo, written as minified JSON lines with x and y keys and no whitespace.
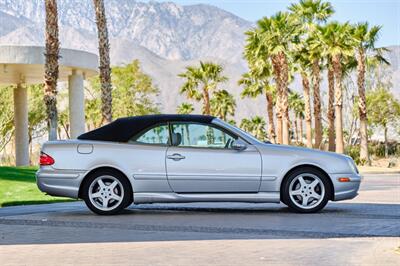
{"x":107,"y":192}
{"x":306,"y":190}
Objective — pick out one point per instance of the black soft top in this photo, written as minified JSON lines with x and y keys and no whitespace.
{"x":122,"y":129}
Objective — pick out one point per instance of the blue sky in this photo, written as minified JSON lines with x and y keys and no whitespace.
{"x":378,"y":12}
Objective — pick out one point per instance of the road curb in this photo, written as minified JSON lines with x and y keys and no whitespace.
{"x":379,"y":172}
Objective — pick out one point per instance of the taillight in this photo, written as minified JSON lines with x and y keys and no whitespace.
{"x":46,"y":159}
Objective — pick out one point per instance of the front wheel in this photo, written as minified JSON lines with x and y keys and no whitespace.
{"x":306,"y":190}
{"x":107,"y":192}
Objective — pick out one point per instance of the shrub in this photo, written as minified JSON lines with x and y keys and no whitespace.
{"x":354,"y":152}
{"x":378,"y":149}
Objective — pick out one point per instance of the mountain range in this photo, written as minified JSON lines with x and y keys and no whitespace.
{"x":165,"y":37}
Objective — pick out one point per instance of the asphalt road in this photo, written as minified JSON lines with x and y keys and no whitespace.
{"x":365,"y":230}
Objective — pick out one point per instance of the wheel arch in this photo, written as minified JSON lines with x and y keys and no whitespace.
{"x":102,"y":168}
{"x":332,"y":188}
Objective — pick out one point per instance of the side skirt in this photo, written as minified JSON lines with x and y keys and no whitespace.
{"x":168,"y":197}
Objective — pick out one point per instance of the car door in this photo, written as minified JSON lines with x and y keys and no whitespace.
{"x":147,"y":159}
{"x":201,"y":159}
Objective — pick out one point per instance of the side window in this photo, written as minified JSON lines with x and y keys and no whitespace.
{"x":155,"y":135}
{"x":200,"y":135}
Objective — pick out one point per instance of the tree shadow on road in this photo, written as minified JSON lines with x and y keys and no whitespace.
{"x":175,"y":222}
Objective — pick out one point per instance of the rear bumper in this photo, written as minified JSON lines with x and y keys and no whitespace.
{"x":346,"y":190}
{"x":62,"y":183}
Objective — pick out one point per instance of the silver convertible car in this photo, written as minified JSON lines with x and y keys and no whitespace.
{"x":190,"y":158}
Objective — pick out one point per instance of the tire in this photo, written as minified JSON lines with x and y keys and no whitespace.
{"x":284,"y":201}
{"x":110,"y":186}
{"x":306,"y":190}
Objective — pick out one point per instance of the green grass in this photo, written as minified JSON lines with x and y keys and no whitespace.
{"x":18,"y":187}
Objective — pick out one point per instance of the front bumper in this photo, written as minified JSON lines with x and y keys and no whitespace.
{"x":346,"y":190}
{"x":62,"y":183}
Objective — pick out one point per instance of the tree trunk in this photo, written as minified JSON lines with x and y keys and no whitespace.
{"x":277,"y":77}
{"x":206,"y":103}
{"x":296,"y":130}
{"x":279,"y":118}
{"x":285,"y":104}
{"x":337,"y":67}
{"x":351,"y":132}
{"x":104,"y":56}
{"x":223,"y":117}
{"x":51,"y":67}
{"x":301,"y":129}
{"x":30,"y":146}
{"x":386,"y":142}
{"x":362,"y":107}
{"x":270,"y":111}
{"x":331,"y":110}
{"x":317,"y":104}
{"x":307,"y":109}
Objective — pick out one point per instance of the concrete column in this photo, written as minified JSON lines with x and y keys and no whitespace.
{"x":76,"y":104}
{"x":21,"y":125}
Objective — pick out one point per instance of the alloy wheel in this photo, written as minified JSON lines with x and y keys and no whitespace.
{"x":106,"y":193}
{"x":306,"y":191}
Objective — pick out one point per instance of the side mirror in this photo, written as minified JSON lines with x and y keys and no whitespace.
{"x":239,"y":145}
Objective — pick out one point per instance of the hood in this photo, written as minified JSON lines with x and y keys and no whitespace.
{"x":304,"y":150}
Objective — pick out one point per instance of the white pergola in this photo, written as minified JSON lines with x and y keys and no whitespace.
{"x":23,"y":65}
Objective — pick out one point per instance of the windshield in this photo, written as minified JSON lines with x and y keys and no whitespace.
{"x":234,"y":128}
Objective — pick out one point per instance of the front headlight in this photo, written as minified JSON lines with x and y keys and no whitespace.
{"x":352,"y":165}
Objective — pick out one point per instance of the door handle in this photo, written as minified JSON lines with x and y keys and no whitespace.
{"x":176,"y":157}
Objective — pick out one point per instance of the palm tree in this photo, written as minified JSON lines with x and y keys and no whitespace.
{"x":331,"y":110}
{"x":303,"y":62}
{"x":104,"y":56}
{"x":185,"y":108}
{"x":256,"y":82}
{"x":338,"y":44}
{"x":206,"y":77}
{"x":258,"y":127}
{"x":311,"y":13}
{"x":315,"y":55}
{"x":51,"y":67}
{"x":348,"y":64}
{"x":245,"y":124}
{"x":297,"y":104}
{"x":223,"y":104}
{"x":366,"y":38}
{"x":255,"y":125}
{"x":272,"y":40}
